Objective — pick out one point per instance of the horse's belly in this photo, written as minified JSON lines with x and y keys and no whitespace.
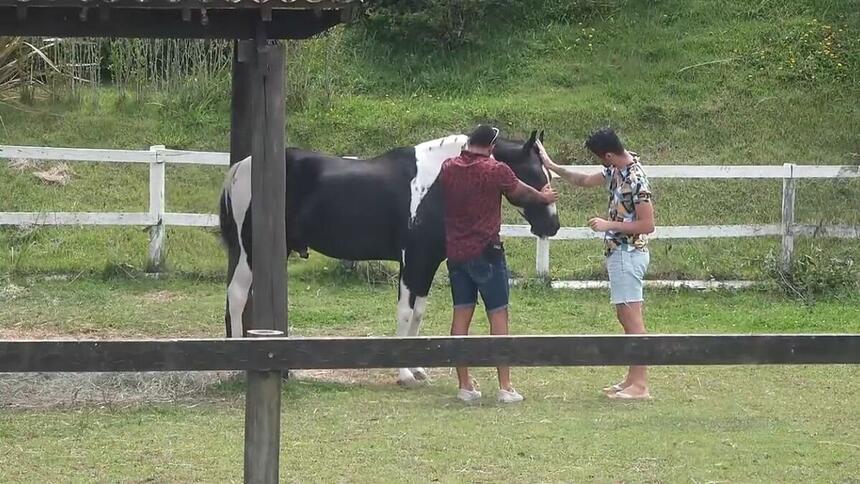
{"x":353,"y":238}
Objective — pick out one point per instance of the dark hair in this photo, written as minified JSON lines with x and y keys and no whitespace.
{"x":483,"y":136}
{"x":603,"y":141}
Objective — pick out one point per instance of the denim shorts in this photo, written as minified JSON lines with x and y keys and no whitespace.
{"x":483,"y":274}
{"x":626,"y":268}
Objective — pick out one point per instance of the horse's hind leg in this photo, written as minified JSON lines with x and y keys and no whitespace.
{"x":237,"y":295}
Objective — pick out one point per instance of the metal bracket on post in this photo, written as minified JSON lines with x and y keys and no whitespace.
{"x":263,"y":420}
{"x":155,"y":262}
{"x":789,"y":185}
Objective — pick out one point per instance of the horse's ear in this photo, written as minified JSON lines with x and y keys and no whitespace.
{"x":531,"y":141}
{"x":540,"y":136}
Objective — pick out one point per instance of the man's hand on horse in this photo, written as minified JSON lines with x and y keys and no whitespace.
{"x":549,"y":195}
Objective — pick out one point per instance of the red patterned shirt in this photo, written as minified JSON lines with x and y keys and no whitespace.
{"x":473,"y":185}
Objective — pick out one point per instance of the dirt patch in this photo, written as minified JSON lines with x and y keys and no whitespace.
{"x":56,"y":175}
{"x":15,"y":332}
{"x":162,"y":297}
{"x":22,"y":164}
{"x":114,"y":390}
{"x":46,"y":391}
{"x":349,"y":377}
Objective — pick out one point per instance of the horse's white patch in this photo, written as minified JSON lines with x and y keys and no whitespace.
{"x":404,"y":316}
{"x":238,"y":188}
{"x":552,"y":209}
{"x":429,"y":157}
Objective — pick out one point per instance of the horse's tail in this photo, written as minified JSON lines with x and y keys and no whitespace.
{"x":226,"y":219}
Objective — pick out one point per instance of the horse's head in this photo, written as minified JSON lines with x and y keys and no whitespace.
{"x":524,"y":160}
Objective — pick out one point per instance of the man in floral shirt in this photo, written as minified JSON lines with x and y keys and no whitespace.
{"x":631,"y":217}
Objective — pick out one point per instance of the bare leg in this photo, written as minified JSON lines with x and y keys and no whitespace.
{"x":630,"y":317}
{"x":460,"y":327}
{"x":499,"y":326}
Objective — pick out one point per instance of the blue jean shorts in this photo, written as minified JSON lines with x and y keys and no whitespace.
{"x":626,"y":268}
{"x":485,"y":275}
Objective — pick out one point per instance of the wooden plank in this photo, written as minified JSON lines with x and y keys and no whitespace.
{"x":275,"y":354}
{"x":697,"y":285}
{"x":262,"y":422}
{"x":76,"y":218}
{"x":221,"y":23}
{"x":696,"y":171}
{"x":835,"y":231}
{"x":663,"y":232}
{"x":76,"y":154}
{"x":542,"y":257}
{"x":241,"y":138}
{"x":191,"y":219}
{"x":826,"y":171}
{"x":234,"y":5}
{"x":269,"y":189}
{"x":789,"y":186}
{"x":155,"y":262}
{"x":196,"y":157}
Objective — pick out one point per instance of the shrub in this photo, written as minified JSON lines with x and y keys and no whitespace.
{"x":815,"y":274}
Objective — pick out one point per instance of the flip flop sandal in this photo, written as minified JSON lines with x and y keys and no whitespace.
{"x":613,"y":389}
{"x":626,"y":396}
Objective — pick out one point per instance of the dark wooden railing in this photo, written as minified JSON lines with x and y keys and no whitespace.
{"x":266,"y":357}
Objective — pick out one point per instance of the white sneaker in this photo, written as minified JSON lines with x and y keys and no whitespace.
{"x":509,"y":396}
{"x":468,"y":395}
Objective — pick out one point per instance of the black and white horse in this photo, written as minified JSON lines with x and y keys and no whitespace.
{"x":385,"y":208}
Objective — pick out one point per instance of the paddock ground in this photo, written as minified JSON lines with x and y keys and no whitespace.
{"x":706,"y":424}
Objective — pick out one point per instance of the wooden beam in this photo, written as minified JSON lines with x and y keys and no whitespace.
{"x":270,"y":354}
{"x":262,"y":422}
{"x":241,"y":136}
{"x":268,"y":189}
{"x":164,"y":23}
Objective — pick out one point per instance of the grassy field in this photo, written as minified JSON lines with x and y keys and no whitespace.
{"x":685,"y":82}
{"x":773,"y":424}
{"x":693,"y":82}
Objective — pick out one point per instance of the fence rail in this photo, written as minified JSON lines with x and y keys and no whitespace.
{"x":157,"y":218}
{"x":280,"y":353}
{"x":265,"y":358}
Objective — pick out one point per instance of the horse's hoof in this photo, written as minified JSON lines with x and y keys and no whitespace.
{"x":419,"y":374}
{"x":407,"y":379}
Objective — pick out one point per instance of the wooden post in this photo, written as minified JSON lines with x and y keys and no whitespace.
{"x":788,"y":191}
{"x":542,"y":257}
{"x":241,"y":120}
{"x":155,"y":262}
{"x":262,"y":421}
{"x":241,"y":125}
{"x":268,"y":188}
{"x":269,"y":249}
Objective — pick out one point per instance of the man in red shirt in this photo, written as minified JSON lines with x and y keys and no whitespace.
{"x":473,"y":184}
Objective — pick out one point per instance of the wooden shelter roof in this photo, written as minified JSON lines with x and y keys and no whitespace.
{"x":231,"y":19}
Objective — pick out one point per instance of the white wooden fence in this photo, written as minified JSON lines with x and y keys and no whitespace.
{"x":157,"y":218}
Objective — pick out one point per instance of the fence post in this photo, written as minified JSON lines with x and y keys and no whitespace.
{"x":156,"y":211}
{"x":788,"y":191}
{"x":263,"y":420}
{"x":542,"y":257}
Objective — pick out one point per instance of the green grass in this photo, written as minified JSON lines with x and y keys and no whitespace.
{"x":324,"y":300}
{"x":755,"y":108}
{"x":706,"y":424}
{"x":783,"y":424}
{"x":649,"y":71}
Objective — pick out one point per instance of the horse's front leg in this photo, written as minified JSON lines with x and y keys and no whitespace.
{"x":418,"y":311}
{"x":405,"y":315}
